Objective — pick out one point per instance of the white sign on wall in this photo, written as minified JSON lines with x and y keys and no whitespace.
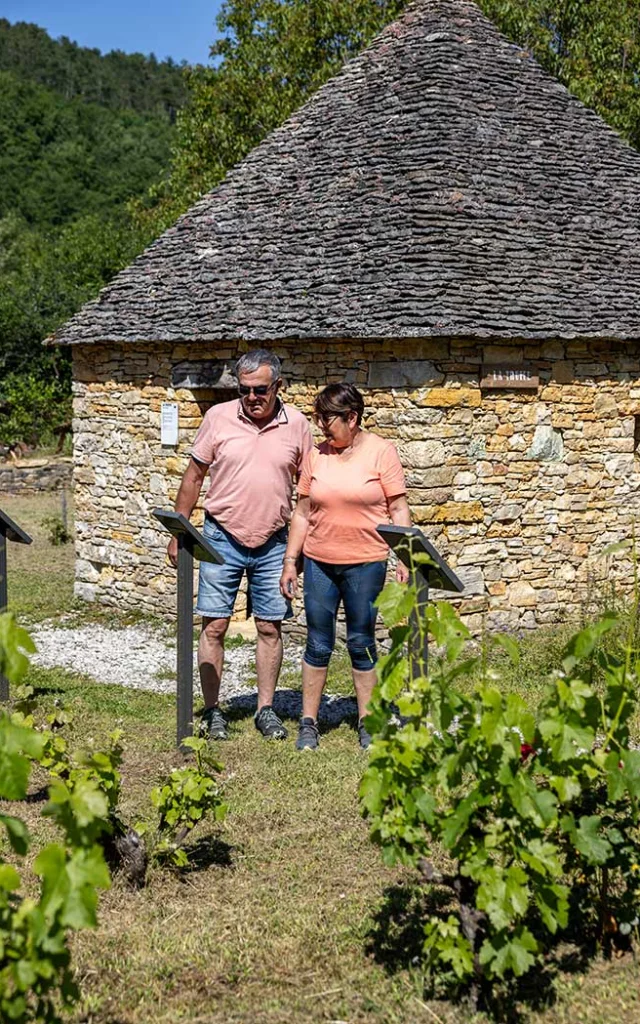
{"x":169,"y":423}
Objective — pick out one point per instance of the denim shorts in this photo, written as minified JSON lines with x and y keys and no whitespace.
{"x":218,"y":585}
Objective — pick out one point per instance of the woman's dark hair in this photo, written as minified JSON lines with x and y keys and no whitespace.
{"x":339,"y":400}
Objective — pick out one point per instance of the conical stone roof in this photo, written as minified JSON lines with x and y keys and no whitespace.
{"x":442,"y":184}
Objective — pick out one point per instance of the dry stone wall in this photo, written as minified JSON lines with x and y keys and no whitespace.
{"x":35,"y":475}
{"x":522,"y":490}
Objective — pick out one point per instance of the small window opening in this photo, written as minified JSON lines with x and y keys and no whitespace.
{"x":636,"y":437}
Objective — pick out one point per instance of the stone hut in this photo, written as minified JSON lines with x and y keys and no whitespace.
{"x":444,"y":225}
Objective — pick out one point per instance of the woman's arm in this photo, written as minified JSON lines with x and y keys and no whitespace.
{"x":400,"y":515}
{"x":297,"y":534}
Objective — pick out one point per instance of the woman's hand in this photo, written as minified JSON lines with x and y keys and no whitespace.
{"x":289,"y":580}
{"x":402,"y":573}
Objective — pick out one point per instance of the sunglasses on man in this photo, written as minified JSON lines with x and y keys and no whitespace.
{"x":260,"y":390}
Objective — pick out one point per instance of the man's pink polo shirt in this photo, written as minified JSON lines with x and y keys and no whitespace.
{"x":252,"y":470}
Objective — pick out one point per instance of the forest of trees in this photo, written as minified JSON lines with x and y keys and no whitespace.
{"x":81,"y":135}
{"x":93,"y":167}
{"x":116,"y":80}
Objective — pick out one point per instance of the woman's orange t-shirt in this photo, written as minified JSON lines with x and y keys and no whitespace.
{"x":349,"y":498}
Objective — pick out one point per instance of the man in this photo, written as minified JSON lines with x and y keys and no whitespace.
{"x":253,"y":448}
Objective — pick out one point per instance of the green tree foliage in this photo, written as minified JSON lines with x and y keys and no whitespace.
{"x":593,"y":48}
{"x":63,"y":158}
{"x":114,"y":80}
{"x":80,"y":135}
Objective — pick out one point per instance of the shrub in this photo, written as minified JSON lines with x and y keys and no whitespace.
{"x":36,"y":979}
{"x":185,"y":797}
{"x":35,"y":406}
{"x":535,"y":812}
{"x":58,"y":533}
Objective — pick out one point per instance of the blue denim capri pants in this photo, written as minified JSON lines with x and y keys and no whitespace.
{"x":357,"y":586}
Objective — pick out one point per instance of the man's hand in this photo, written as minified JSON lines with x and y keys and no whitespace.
{"x":172,"y":551}
{"x":289,"y":580}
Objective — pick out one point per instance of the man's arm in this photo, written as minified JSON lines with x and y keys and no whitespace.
{"x":188,"y":494}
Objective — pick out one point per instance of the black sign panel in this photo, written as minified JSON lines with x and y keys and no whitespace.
{"x":178,"y":524}
{"x":12,"y":531}
{"x":408,"y":540}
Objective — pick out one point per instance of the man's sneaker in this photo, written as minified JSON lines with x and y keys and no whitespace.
{"x":363,"y":735}
{"x":308,"y":737}
{"x":213,"y":724}
{"x":268,"y":723}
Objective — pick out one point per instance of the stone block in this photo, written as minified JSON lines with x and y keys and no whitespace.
{"x":443,"y":398}
{"x":405,"y":373}
{"x":473,"y":579}
{"x":522,"y":595}
{"x":512,"y":355}
{"x":504,"y":530}
{"x":451,"y":512}
{"x":507,"y":512}
{"x":86,"y":572}
{"x":547,"y":444}
{"x":604,"y":405}
{"x":422,"y":454}
{"x":563,"y":372}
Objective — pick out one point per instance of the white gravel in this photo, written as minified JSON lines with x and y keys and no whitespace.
{"x":145,"y":659}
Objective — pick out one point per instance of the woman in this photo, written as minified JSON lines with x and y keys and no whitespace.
{"x":349,"y":484}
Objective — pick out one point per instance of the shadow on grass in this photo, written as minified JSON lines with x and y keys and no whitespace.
{"x":334,"y":710}
{"x":209,"y":851}
{"x":396,"y":937}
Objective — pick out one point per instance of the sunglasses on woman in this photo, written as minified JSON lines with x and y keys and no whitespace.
{"x":326,"y":419}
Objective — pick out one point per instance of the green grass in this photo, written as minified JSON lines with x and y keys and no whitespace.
{"x":40,"y":575}
{"x":288,"y":914}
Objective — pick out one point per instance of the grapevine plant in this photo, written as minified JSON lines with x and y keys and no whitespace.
{"x":527,"y":818}
{"x":36,"y":979}
{"x":185,"y":797}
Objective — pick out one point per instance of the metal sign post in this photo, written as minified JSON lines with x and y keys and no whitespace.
{"x":407,"y":542}
{"x":8,"y":531}
{"x":191,"y":545}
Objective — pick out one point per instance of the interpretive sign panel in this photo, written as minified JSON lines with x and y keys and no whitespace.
{"x":427,"y":568}
{"x":191,"y":544}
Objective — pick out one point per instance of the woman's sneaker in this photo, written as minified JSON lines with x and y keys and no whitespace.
{"x":213,"y":724}
{"x":308,"y":736}
{"x":363,"y":735}
{"x":268,"y":723}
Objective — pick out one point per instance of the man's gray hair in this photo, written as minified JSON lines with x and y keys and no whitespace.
{"x":250,"y":361}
